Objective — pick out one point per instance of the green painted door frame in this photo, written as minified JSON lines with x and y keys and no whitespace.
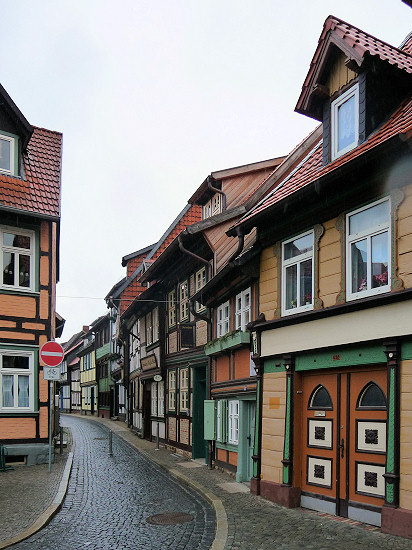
{"x":199,"y":445}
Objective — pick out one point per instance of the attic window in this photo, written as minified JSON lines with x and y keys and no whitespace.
{"x":6,"y":154}
{"x":213,"y":206}
{"x":345,"y":122}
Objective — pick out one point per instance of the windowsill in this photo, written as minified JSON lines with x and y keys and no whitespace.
{"x":20,"y":413}
{"x":229,"y":341}
{"x":294,"y":311}
{"x":227,"y":446}
{"x":154,"y":345}
{"x":368,"y":293}
{"x":22,"y":291}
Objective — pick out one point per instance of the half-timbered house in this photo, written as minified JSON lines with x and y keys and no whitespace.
{"x":30,"y":173}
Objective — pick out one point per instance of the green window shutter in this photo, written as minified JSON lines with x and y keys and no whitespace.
{"x":223,"y":421}
{"x":210,"y":419}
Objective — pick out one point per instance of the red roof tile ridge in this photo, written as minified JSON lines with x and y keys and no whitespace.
{"x":342,"y":22}
{"x":48,"y":130}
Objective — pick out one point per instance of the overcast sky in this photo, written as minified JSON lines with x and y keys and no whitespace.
{"x":152,"y":96}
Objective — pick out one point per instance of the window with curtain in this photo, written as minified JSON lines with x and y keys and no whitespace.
{"x":16,"y":380}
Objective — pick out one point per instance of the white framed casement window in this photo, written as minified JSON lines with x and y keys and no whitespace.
{"x":368,"y":245}
{"x":184,"y":390}
{"x":217,"y":204}
{"x":200,"y":281}
{"x":171,"y":303}
{"x":297,"y":274}
{"x":233,"y":422}
{"x":172,"y":390}
{"x":161,"y":398}
{"x":155,"y":324}
{"x":207,"y":210}
{"x":242,"y":314}
{"x":16,"y":381}
{"x":153,"y":394}
{"x":7,"y":154}
{"x":223,"y":319}
{"x":17,"y":259}
{"x":149,"y":329}
{"x":183,"y":301}
{"x":345,"y":122}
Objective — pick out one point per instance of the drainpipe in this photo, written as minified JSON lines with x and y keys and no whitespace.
{"x":240,"y":245}
{"x":211,"y":179}
{"x":204,"y":262}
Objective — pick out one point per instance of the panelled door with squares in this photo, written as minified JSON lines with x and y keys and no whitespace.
{"x":344,"y":442}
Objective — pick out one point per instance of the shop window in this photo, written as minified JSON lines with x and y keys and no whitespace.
{"x":297,"y":274}
{"x":371,"y":397}
{"x":320,"y":399}
{"x":368,"y":250}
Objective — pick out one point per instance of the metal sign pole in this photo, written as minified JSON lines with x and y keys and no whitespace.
{"x":50,"y":423}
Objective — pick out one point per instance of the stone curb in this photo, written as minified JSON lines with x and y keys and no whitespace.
{"x":51,"y":511}
{"x":220,"y":512}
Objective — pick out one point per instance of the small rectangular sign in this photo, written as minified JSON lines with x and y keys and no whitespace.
{"x":51,"y":373}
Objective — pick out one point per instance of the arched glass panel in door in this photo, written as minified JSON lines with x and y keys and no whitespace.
{"x":371,"y":397}
{"x":320,"y":398}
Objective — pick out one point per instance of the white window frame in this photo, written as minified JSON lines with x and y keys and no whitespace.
{"x":153,"y":396}
{"x":155,"y":324}
{"x":184,"y":300}
{"x":184,"y":390}
{"x":233,"y":422}
{"x":243,"y":311}
{"x":171,"y":390}
{"x":352,"y":92}
{"x":223,"y":319}
{"x":200,"y":281}
{"x":161,"y":398}
{"x":15,"y":373}
{"x":217,"y":204}
{"x":17,"y":252}
{"x":171,"y":306}
{"x":12,"y":142}
{"x":367,"y":234}
{"x":149,"y":328}
{"x":207,"y":210}
{"x":296,"y":260}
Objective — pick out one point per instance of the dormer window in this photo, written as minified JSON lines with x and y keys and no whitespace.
{"x":6,"y":154}
{"x":213,"y":206}
{"x":345,"y":122}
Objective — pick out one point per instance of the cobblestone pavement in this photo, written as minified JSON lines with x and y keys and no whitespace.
{"x":109,"y":499}
{"x":18,"y":511}
{"x":243,"y":520}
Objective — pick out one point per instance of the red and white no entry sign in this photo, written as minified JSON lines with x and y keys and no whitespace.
{"x":51,"y":353}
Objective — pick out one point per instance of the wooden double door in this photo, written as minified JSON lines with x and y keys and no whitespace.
{"x":344,"y":442}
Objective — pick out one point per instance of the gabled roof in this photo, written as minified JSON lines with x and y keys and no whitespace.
{"x":311,"y":169}
{"x":357,"y":45}
{"x":140,"y":252}
{"x":38,"y":192}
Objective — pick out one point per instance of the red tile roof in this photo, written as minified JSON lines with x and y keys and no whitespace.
{"x":39,"y":190}
{"x":311,"y":168}
{"x":357,"y":44}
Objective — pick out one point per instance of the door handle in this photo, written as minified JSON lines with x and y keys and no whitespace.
{"x":342,"y":447}
{"x":249,"y":438}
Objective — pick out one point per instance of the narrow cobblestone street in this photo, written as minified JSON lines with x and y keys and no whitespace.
{"x":110,"y":498}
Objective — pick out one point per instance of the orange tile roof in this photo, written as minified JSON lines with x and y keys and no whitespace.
{"x":39,"y":190}
{"x":311,"y":169}
{"x":357,"y":44}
